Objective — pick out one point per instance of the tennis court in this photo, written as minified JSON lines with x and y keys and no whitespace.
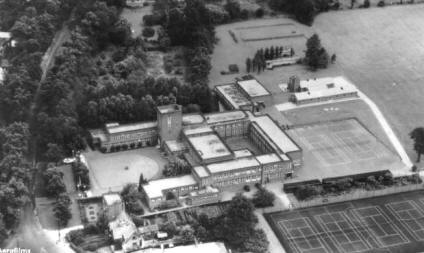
{"x":339,"y":148}
{"x":392,"y":223}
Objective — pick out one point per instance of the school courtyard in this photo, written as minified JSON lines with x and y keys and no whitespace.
{"x":112,"y":171}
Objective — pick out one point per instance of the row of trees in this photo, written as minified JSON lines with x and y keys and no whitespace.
{"x":14,"y":175}
{"x":33,"y":25}
{"x":303,"y":10}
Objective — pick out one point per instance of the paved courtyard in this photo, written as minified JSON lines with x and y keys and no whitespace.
{"x":112,"y":171}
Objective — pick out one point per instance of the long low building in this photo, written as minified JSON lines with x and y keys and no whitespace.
{"x":324,"y":89}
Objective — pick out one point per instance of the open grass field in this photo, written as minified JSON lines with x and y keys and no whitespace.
{"x":380,"y":50}
{"x":390,"y":224}
{"x":108,"y":171}
{"x":253,"y":35}
{"x":340,"y":148}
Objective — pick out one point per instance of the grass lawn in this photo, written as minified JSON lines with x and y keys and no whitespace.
{"x":227,"y":51}
{"x":108,"y":171}
{"x":380,"y":50}
{"x":135,"y":18}
{"x":385,"y":224}
{"x":340,"y":148}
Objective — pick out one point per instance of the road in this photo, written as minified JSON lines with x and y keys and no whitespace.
{"x":30,"y":234}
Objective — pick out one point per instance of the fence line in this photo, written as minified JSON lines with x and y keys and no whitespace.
{"x":354,"y":195}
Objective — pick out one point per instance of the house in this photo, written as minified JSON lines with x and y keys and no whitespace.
{"x":91,"y":208}
{"x":210,"y":247}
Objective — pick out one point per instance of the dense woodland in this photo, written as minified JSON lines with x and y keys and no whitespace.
{"x":33,"y":25}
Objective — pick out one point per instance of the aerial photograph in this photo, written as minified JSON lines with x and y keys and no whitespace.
{"x":211,"y":126}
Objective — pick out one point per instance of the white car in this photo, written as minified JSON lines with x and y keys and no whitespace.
{"x":69,"y":160}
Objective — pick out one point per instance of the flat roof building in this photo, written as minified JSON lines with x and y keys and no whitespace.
{"x":324,"y":89}
{"x":253,"y":88}
{"x":209,"y":148}
{"x":232,"y":97}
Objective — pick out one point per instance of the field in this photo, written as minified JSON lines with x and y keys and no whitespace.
{"x":340,"y":110}
{"x":340,"y":148}
{"x":380,"y":50}
{"x":112,"y":171}
{"x":392,"y":223}
{"x":251,"y":36}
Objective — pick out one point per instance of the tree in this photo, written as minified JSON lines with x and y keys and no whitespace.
{"x":418,"y":136}
{"x":62,"y":210}
{"x":304,"y":11}
{"x":257,"y":242}
{"x":141,"y":182}
{"x":132,"y":199}
{"x":248,"y":65}
{"x":54,"y":153}
{"x":233,"y":8}
{"x":54,"y":182}
{"x":263,"y":198}
{"x":148,"y":32}
{"x":187,"y":235}
{"x":333,"y":58}
{"x":316,"y":56}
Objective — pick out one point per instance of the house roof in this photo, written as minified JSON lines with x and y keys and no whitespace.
{"x":155,"y":188}
{"x":122,"y":227}
{"x":324,"y":87}
{"x":210,"y":247}
{"x":209,"y":146}
{"x":232,"y":95}
{"x":115,"y":128}
{"x":201,"y":171}
{"x":213,"y":118}
{"x":274,"y":133}
{"x":253,"y":88}
{"x":112,"y":198}
{"x":235,"y":164}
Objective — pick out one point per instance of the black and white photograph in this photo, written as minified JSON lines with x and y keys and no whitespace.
{"x":211,"y":126}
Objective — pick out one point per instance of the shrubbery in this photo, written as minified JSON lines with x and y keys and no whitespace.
{"x":148,"y":32}
{"x":347,"y":184}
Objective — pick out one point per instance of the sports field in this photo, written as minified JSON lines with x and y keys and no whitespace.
{"x":339,"y":148}
{"x":392,"y":223}
{"x":380,"y":50}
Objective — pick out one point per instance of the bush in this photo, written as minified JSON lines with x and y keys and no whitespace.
{"x":246,"y":188}
{"x":381,"y":3}
{"x":263,"y":198}
{"x":152,"y":19}
{"x":259,"y":13}
{"x":366,"y":3}
{"x":233,"y":68}
{"x":148,"y":32}
{"x":244,"y":14}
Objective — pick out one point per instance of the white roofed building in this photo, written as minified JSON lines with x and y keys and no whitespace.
{"x":324,"y":89}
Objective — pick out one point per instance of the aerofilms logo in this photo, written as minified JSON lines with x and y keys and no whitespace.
{"x":15,"y":250}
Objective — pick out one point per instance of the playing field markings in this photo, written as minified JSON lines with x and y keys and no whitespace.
{"x":342,"y":233}
{"x":302,"y":235}
{"x":411,"y":217}
{"x":377,"y":223}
